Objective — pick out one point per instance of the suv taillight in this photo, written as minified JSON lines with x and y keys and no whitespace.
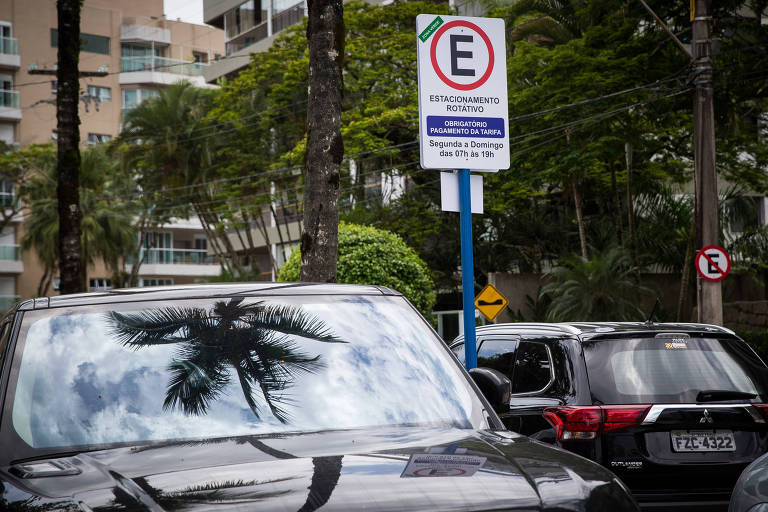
{"x":573,"y":423}
{"x":763,"y":408}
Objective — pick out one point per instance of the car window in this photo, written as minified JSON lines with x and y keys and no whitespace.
{"x":207,"y":368}
{"x":498,"y":352}
{"x":665,"y":370}
{"x":533,"y":368}
{"x":460,"y":354}
{"x":5,"y":330}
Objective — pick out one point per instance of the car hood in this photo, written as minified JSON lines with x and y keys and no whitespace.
{"x":386,"y":469}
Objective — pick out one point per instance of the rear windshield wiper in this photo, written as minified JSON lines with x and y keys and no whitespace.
{"x":715,"y":395}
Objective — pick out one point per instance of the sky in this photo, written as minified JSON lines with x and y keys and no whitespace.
{"x":188,"y":10}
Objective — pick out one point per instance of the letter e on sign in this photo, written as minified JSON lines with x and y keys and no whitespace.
{"x":713,"y":263}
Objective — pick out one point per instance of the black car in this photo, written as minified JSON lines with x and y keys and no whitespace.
{"x":289,"y":397}
{"x":677,"y":411}
{"x":751,"y":491}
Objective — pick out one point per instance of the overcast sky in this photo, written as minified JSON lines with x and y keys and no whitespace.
{"x":188,"y":10}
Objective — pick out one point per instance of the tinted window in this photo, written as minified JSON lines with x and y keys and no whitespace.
{"x":88,"y":42}
{"x":533,"y":368}
{"x":664,"y":370}
{"x":460,"y":353}
{"x":497,"y":353}
{"x":211,"y":368}
{"x":5,"y":330}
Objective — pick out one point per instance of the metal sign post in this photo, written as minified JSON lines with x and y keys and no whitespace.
{"x":467,"y":270}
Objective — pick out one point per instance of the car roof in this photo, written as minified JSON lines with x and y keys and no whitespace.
{"x":592,"y":330}
{"x":202,"y":291}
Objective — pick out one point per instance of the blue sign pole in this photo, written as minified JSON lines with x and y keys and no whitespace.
{"x":467,"y":270}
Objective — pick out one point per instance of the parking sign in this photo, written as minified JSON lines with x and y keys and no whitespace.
{"x":463,"y":111}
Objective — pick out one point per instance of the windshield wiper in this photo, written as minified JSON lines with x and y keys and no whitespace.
{"x":716,"y":395}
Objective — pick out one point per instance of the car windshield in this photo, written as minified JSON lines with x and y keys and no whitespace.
{"x":671,"y":370}
{"x":190,"y":369}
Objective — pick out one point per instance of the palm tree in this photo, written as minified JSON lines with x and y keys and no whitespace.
{"x":106,"y":225}
{"x":603,"y":288}
{"x":252,"y":340}
{"x":167,"y":141}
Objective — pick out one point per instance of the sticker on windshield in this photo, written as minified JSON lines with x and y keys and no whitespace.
{"x":675,"y":345}
{"x":421,"y":465}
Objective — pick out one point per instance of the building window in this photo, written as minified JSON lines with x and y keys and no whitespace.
{"x":103,"y":93}
{"x":140,"y":50}
{"x":88,"y":42}
{"x":54,"y":87}
{"x":200,"y":57}
{"x":154,"y":281}
{"x":134,"y":97}
{"x":241,"y":18}
{"x":54,"y":135}
{"x":99,"y":283}
{"x":6,"y":193}
{"x":98,"y":138}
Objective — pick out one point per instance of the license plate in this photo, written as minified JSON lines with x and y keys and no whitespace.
{"x":703,"y":441}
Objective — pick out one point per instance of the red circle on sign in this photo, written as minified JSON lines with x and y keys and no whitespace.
{"x":441,"y":75}
{"x":702,"y":254}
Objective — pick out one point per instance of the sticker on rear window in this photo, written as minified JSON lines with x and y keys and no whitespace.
{"x":674,"y":345}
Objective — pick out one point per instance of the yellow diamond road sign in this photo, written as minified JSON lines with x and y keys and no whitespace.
{"x":490,"y":302}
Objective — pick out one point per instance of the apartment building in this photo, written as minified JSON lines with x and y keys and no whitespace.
{"x":131,"y":51}
{"x":249,"y":26}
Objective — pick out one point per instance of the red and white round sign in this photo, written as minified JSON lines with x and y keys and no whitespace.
{"x":713,"y":263}
{"x":465,"y":69}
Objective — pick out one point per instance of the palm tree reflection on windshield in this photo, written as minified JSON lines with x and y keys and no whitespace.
{"x":255,"y":341}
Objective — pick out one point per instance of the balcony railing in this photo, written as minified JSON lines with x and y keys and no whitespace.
{"x":281,"y":20}
{"x":162,"y":65}
{"x":176,"y":257}
{"x":10,"y":252}
{"x":288,"y":17}
{"x":9,"y":98}
{"x":9,"y":46}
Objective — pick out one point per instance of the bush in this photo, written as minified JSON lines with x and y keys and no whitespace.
{"x":368,"y":255}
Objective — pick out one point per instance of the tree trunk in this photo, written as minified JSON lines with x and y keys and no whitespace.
{"x":617,"y":205}
{"x":578,"y":203}
{"x":325,"y":149}
{"x":71,"y":268}
{"x":630,"y":209}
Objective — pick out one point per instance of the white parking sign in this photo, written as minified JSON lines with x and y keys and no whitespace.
{"x":463,"y":111}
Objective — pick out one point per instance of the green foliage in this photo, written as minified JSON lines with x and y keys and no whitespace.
{"x":604,"y":288}
{"x":758,"y":340}
{"x":373,"y":256}
{"x":105,"y":201}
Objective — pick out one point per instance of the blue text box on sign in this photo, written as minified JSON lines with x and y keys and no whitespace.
{"x":449,"y":126}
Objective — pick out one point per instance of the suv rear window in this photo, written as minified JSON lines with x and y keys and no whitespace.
{"x":671,"y":370}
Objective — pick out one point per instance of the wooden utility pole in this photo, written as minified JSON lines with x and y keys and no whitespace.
{"x":325,"y":149}
{"x":709,"y":294}
{"x":71,"y":268}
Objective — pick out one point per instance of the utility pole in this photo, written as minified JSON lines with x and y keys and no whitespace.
{"x":709,"y":294}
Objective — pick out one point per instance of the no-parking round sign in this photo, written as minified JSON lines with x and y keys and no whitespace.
{"x":463,"y":111}
{"x":713,"y":263}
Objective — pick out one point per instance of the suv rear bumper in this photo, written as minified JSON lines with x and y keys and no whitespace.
{"x":677,"y":501}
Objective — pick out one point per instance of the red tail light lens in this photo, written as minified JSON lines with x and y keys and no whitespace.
{"x":586,"y":423}
{"x":763,"y":408}
{"x":622,"y":416}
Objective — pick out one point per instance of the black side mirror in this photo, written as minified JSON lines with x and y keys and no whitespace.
{"x":496,"y":387}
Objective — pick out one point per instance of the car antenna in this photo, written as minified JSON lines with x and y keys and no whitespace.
{"x":656,"y":305}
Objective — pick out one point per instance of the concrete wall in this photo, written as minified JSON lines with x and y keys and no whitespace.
{"x":743,"y":295}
